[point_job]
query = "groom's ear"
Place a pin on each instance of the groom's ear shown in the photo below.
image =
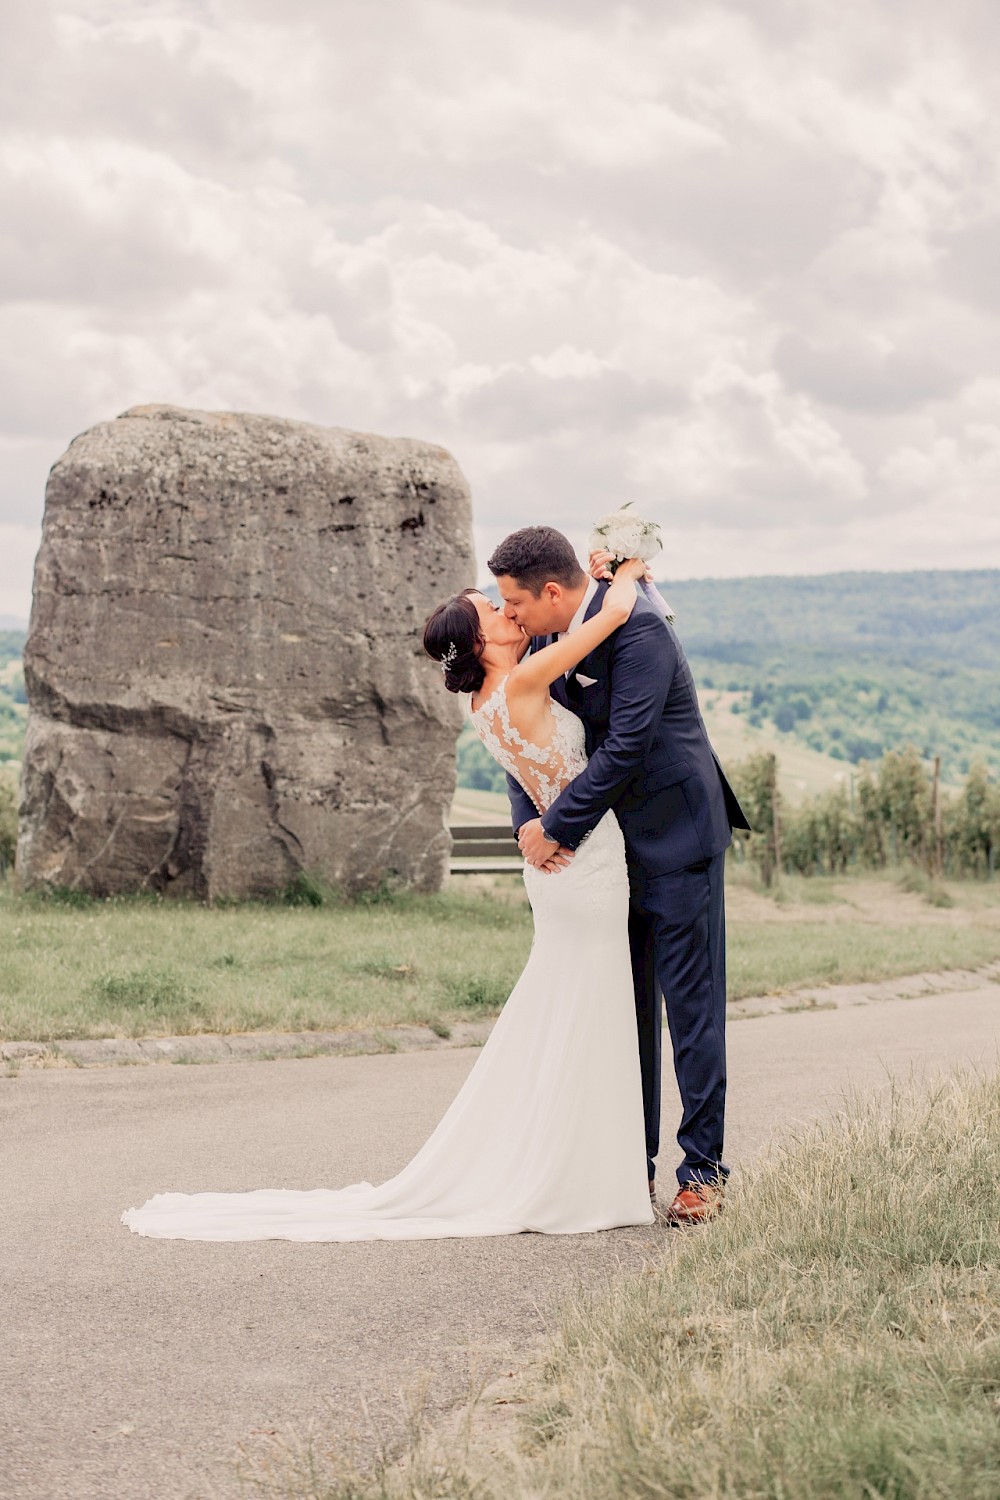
(548, 597)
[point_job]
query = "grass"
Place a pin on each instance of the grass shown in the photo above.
(764, 958)
(854, 929)
(835, 1336)
(143, 967)
(934, 891)
(73, 967)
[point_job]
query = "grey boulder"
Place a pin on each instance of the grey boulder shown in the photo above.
(225, 678)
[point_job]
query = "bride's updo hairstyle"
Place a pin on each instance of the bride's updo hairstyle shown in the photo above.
(452, 636)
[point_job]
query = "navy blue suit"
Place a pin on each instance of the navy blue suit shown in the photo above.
(652, 765)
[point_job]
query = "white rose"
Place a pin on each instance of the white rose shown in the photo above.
(623, 538)
(624, 535)
(650, 543)
(600, 537)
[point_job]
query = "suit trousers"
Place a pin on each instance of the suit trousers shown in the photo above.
(677, 934)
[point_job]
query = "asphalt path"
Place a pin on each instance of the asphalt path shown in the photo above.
(140, 1368)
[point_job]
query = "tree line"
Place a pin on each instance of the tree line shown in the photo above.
(8, 825)
(854, 664)
(892, 814)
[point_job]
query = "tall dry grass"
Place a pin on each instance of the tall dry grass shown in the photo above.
(835, 1336)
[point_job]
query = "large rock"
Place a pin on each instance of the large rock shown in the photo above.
(224, 671)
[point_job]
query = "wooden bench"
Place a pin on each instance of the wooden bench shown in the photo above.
(484, 849)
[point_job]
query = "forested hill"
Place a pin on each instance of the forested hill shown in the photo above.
(850, 664)
(854, 664)
(911, 618)
(13, 703)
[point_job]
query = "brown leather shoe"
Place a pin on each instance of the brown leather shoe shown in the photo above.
(652, 1190)
(695, 1203)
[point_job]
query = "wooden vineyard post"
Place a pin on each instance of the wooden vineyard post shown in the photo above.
(937, 862)
(776, 816)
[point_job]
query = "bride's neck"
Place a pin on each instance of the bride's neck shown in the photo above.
(498, 661)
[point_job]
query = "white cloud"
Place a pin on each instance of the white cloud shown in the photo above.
(735, 263)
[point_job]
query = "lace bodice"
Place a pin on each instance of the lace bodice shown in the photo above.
(542, 771)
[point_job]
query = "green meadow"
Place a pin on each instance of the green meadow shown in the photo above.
(73, 967)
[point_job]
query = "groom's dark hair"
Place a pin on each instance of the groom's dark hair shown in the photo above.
(536, 556)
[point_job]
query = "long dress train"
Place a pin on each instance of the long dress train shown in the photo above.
(546, 1133)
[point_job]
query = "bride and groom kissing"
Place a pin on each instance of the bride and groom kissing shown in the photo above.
(581, 691)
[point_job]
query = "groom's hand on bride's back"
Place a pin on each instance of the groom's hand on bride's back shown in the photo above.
(559, 861)
(540, 851)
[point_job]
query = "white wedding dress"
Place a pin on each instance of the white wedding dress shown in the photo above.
(546, 1133)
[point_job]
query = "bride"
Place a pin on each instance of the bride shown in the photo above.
(547, 1132)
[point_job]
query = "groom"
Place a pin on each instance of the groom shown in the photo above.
(652, 765)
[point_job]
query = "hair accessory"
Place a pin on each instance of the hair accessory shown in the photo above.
(450, 657)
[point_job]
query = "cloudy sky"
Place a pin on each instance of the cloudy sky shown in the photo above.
(736, 262)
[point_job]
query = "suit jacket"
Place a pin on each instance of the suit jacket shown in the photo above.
(651, 762)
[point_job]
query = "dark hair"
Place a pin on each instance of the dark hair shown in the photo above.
(536, 556)
(452, 631)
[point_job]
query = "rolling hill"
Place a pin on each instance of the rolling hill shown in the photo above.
(831, 670)
(13, 701)
(827, 671)
(853, 664)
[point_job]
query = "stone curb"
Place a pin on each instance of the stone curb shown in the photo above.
(260, 1045)
(843, 996)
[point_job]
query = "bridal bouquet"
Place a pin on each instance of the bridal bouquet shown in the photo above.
(625, 535)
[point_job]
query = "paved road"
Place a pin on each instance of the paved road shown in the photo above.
(136, 1368)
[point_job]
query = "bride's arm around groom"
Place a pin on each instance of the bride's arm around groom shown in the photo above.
(637, 672)
(650, 756)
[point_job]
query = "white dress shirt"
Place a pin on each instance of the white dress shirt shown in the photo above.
(577, 619)
(575, 624)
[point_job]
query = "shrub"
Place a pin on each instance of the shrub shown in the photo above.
(8, 826)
